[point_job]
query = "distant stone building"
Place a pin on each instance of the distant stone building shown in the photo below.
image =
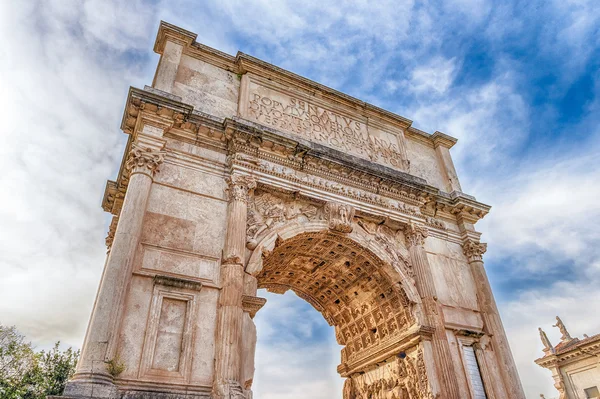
(574, 363)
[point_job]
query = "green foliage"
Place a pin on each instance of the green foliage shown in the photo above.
(26, 374)
(115, 367)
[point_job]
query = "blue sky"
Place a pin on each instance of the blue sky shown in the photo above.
(516, 82)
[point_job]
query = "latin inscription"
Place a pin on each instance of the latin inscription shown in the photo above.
(323, 126)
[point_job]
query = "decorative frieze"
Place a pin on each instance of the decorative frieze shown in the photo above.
(401, 377)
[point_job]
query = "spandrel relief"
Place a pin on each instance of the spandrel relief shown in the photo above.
(268, 211)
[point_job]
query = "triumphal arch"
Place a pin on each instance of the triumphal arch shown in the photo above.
(239, 175)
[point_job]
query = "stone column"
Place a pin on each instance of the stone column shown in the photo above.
(415, 237)
(491, 318)
(228, 354)
(92, 379)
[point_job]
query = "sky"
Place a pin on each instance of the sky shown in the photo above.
(517, 82)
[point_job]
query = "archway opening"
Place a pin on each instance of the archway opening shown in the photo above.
(296, 351)
(349, 286)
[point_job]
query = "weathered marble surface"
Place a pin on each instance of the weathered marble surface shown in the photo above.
(239, 175)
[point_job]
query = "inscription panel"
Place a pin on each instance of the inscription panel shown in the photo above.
(312, 120)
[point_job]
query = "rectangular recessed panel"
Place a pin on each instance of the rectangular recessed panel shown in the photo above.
(474, 374)
(169, 337)
(179, 263)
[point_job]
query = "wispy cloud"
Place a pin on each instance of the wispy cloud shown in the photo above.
(516, 82)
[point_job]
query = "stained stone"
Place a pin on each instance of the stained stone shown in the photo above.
(240, 176)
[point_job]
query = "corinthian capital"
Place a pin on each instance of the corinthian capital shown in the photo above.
(144, 160)
(240, 186)
(415, 234)
(474, 250)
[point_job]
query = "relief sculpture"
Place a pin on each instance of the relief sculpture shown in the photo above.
(401, 378)
(340, 216)
(267, 211)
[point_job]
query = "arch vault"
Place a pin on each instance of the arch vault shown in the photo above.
(238, 175)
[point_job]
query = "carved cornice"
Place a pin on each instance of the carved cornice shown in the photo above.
(442, 139)
(474, 250)
(177, 282)
(579, 351)
(415, 234)
(259, 148)
(240, 186)
(252, 304)
(162, 108)
(169, 32)
(110, 194)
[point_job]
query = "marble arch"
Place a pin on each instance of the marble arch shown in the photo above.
(237, 175)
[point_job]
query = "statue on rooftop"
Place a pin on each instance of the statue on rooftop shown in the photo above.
(547, 344)
(563, 330)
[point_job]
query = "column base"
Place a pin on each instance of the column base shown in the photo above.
(91, 386)
(230, 390)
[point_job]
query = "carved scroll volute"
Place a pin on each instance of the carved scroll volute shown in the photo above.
(340, 216)
(415, 235)
(474, 250)
(239, 187)
(144, 160)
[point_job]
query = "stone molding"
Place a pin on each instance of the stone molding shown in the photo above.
(177, 282)
(474, 250)
(252, 304)
(112, 229)
(258, 148)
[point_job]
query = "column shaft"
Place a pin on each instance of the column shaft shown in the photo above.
(433, 312)
(102, 333)
(228, 355)
(491, 318)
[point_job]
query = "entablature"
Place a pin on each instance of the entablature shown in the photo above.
(292, 162)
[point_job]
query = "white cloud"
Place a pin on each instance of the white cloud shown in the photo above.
(550, 206)
(434, 78)
(575, 303)
(291, 361)
(65, 67)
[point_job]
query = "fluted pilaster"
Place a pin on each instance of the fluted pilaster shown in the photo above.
(228, 360)
(91, 378)
(415, 238)
(491, 317)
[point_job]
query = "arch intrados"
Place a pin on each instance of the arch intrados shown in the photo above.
(346, 282)
(363, 241)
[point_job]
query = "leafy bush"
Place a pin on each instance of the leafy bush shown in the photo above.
(27, 374)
